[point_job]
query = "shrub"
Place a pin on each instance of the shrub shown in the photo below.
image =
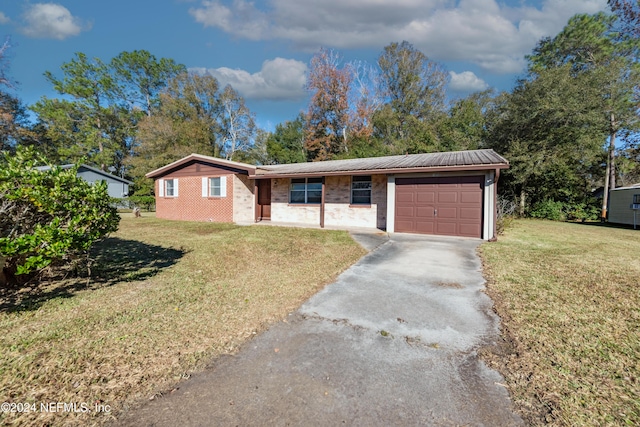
(146, 202)
(48, 218)
(549, 209)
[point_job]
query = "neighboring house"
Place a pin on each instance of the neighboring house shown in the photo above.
(451, 193)
(622, 202)
(116, 186)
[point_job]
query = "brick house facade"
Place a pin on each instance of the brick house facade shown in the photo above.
(437, 193)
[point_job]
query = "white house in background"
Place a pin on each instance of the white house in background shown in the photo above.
(117, 187)
(624, 205)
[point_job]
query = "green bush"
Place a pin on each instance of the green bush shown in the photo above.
(549, 209)
(146, 202)
(48, 218)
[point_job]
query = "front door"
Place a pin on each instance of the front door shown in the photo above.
(264, 199)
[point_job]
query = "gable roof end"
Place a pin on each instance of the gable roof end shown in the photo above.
(250, 169)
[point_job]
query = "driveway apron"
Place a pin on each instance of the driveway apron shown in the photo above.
(392, 342)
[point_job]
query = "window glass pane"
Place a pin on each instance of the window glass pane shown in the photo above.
(314, 186)
(168, 187)
(214, 187)
(297, 180)
(366, 178)
(315, 180)
(297, 197)
(297, 186)
(361, 200)
(314, 196)
(361, 185)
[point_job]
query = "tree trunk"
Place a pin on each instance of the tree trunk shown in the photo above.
(610, 173)
(612, 161)
(523, 197)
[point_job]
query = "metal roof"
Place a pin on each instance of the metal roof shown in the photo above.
(480, 159)
(629, 187)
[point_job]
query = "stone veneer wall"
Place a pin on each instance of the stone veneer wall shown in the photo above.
(338, 211)
(243, 201)
(282, 211)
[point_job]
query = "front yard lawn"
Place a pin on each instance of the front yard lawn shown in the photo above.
(569, 299)
(164, 299)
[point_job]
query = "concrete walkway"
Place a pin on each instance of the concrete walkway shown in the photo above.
(392, 342)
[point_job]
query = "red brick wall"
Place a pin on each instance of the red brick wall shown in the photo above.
(191, 206)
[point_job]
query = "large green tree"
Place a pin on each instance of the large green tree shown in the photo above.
(413, 88)
(286, 143)
(551, 131)
(140, 77)
(464, 127)
(592, 46)
(186, 120)
(96, 116)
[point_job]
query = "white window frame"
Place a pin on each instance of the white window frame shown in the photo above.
(163, 188)
(354, 184)
(208, 186)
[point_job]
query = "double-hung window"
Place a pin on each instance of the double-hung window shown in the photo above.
(361, 190)
(169, 187)
(214, 186)
(305, 191)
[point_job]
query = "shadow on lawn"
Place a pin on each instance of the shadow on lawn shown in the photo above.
(608, 225)
(114, 260)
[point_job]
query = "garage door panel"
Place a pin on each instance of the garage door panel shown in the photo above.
(458, 201)
(406, 212)
(425, 212)
(447, 228)
(470, 213)
(469, 197)
(445, 213)
(425, 227)
(405, 226)
(447, 196)
(405, 197)
(426, 197)
(469, 230)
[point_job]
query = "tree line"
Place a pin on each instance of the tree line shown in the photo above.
(568, 127)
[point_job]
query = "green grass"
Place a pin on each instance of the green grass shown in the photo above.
(569, 298)
(165, 298)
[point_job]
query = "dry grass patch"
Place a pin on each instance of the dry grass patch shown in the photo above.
(569, 299)
(168, 296)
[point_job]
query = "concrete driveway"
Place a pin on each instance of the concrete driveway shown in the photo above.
(392, 342)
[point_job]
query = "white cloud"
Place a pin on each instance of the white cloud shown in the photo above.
(50, 20)
(466, 81)
(279, 79)
(242, 18)
(4, 18)
(486, 32)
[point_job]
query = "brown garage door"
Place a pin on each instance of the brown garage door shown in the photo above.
(449, 206)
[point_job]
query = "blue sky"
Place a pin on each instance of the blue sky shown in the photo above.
(262, 48)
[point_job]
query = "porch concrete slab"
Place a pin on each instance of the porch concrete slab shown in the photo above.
(392, 342)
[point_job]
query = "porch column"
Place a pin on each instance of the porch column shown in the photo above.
(391, 203)
(322, 205)
(256, 210)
